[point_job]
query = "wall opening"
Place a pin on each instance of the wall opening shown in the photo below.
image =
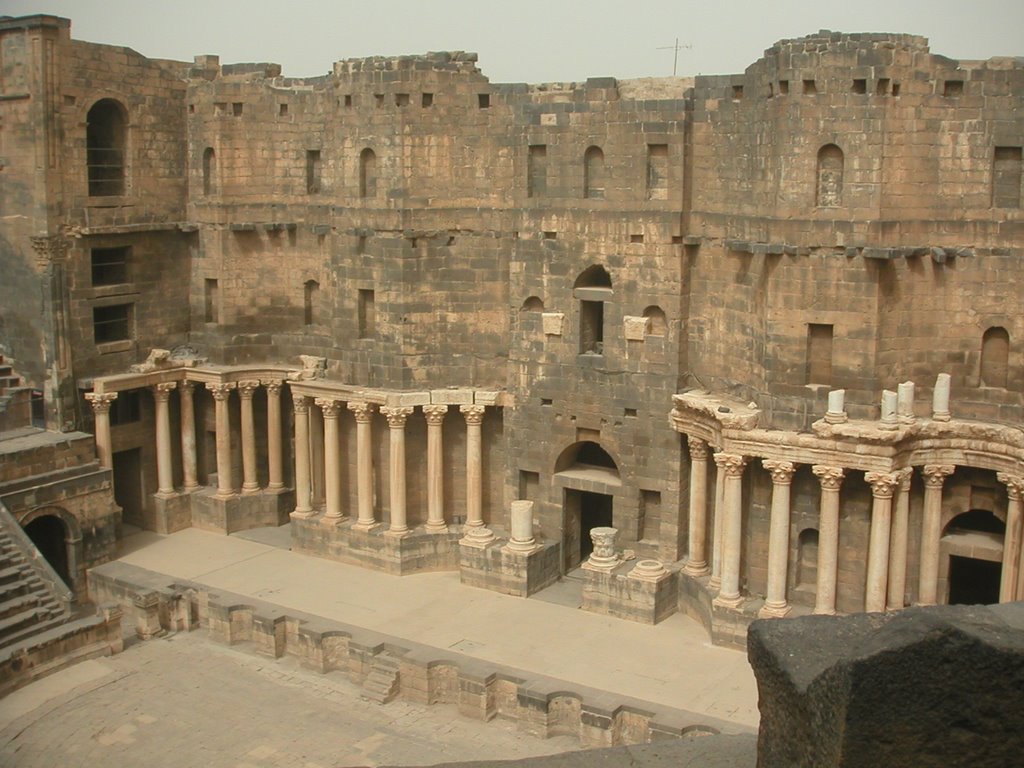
(532, 304)
(49, 535)
(112, 323)
(1007, 174)
(128, 490)
(830, 177)
(126, 409)
(106, 136)
(995, 357)
(312, 171)
(972, 581)
(367, 173)
(591, 327)
(657, 171)
(109, 265)
(650, 515)
(819, 353)
(593, 173)
(583, 511)
(529, 485)
(367, 313)
(810, 87)
(211, 301)
(658, 325)
(807, 559)
(311, 291)
(953, 88)
(209, 171)
(537, 171)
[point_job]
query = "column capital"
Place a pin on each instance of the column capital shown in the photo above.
(301, 405)
(396, 415)
(474, 414)
(220, 390)
(936, 474)
(781, 471)
(329, 406)
(830, 477)
(362, 411)
(246, 389)
(162, 391)
(883, 484)
(905, 475)
(273, 386)
(186, 386)
(435, 413)
(698, 448)
(101, 402)
(1014, 485)
(731, 463)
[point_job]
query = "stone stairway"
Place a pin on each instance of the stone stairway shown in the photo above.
(381, 685)
(29, 605)
(15, 399)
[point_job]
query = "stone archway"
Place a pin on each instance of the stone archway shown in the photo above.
(972, 558)
(589, 478)
(58, 537)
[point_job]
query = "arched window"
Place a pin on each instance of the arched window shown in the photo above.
(367, 173)
(592, 288)
(106, 133)
(209, 171)
(594, 276)
(593, 173)
(807, 558)
(658, 325)
(995, 353)
(830, 177)
(312, 289)
(532, 304)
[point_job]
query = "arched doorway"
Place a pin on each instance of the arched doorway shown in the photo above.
(49, 535)
(973, 545)
(589, 478)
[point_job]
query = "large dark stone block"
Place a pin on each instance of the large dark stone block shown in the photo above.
(939, 686)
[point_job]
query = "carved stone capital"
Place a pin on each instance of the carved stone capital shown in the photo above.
(905, 475)
(186, 387)
(781, 471)
(935, 474)
(220, 390)
(731, 463)
(246, 389)
(396, 415)
(698, 449)
(300, 403)
(362, 411)
(329, 406)
(1014, 485)
(162, 391)
(273, 386)
(883, 484)
(49, 248)
(474, 414)
(101, 403)
(434, 414)
(830, 477)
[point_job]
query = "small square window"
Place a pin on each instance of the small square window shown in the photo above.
(783, 87)
(282, 110)
(110, 265)
(236, 109)
(348, 99)
(378, 98)
(737, 92)
(401, 99)
(810, 87)
(860, 85)
(953, 88)
(483, 100)
(427, 100)
(112, 323)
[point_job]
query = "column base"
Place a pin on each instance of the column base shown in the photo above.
(715, 583)
(431, 527)
(824, 611)
(774, 611)
(397, 534)
(696, 569)
(250, 491)
(477, 536)
(728, 601)
(328, 520)
(303, 514)
(366, 527)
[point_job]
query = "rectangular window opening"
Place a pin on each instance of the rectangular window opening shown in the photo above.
(629, 413)
(236, 109)
(125, 409)
(819, 353)
(361, 245)
(282, 110)
(110, 265)
(427, 100)
(860, 85)
(112, 323)
(537, 171)
(550, 235)
(737, 92)
(210, 302)
(367, 313)
(657, 171)
(483, 100)
(312, 171)
(401, 99)
(895, 89)
(636, 238)
(649, 514)
(810, 87)
(883, 86)
(529, 483)
(1007, 170)
(783, 87)
(953, 88)
(591, 327)
(378, 99)
(348, 99)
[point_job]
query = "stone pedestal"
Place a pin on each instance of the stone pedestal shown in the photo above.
(171, 512)
(502, 568)
(230, 514)
(643, 591)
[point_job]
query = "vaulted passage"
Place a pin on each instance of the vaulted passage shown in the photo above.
(48, 534)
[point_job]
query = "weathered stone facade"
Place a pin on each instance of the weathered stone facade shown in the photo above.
(536, 276)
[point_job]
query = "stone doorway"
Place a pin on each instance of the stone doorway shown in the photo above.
(973, 581)
(584, 511)
(971, 563)
(128, 485)
(50, 536)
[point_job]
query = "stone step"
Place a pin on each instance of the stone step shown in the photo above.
(19, 604)
(381, 684)
(40, 625)
(19, 621)
(15, 571)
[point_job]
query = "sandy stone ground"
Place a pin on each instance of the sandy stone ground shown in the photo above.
(183, 701)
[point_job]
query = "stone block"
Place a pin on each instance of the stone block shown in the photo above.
(500, 569)
(553, 323)
(452, 396)
(171, 513)
(636, 328)
(642, 591)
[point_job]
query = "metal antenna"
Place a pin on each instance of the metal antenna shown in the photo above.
(675, 53)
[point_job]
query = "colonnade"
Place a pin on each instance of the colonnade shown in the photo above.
(886, 578)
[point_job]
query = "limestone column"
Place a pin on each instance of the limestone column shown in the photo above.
(246, 390)
(718, 527)
(1008, 584)
(221, 392)
(434, 415)
(775, 604)
(188, 434)
(275, 463)
(898, 543)
(101, 412)
(883, 485)
(303, 480)
(396, 417)
(831, 479)
(164, 473)
(475, 531)
(931, 529)
(697, 559)
(363, 413)
(332, 460)
(732, 533)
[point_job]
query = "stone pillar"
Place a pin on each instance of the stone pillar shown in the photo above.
(940, 398)
(828, 537)
(883, 485)
(697, 559)
(188, 434)
(522, 539)
(931, 529)
(898, 543)
(434, 415)
(246, 390)
(221, 392)
(303, 479)
(164, 471)
(101, 412)
(363, 413)
(732, 533)
(603, 557)
(396, 467)
(1008, 584)
(775, 604)
(475, 532)
(716, 534)
(275, 463)
(332, 460)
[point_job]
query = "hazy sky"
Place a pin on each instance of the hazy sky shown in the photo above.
(527, 40)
